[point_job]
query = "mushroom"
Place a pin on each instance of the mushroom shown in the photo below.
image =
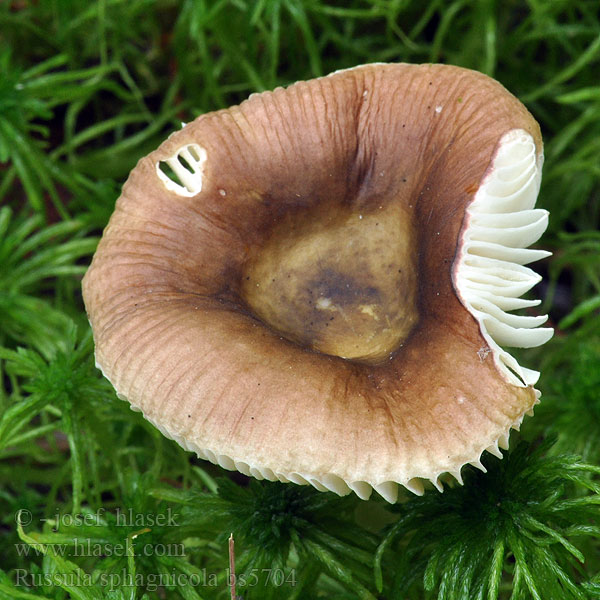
(315, 286)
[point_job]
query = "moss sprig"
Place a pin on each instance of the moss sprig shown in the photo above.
(513, 528)
(299, 533)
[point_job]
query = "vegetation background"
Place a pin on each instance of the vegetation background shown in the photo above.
(87, 88)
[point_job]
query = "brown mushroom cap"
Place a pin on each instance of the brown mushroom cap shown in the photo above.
(316, 291)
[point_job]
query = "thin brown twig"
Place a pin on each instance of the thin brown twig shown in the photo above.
(232, 567)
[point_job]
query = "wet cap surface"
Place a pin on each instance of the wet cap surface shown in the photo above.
(451, 162)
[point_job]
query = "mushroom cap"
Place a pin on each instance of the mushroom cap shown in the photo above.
(429, 170)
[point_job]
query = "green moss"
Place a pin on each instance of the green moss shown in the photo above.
(506, 529)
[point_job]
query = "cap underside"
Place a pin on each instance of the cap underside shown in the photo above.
(489, 274)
